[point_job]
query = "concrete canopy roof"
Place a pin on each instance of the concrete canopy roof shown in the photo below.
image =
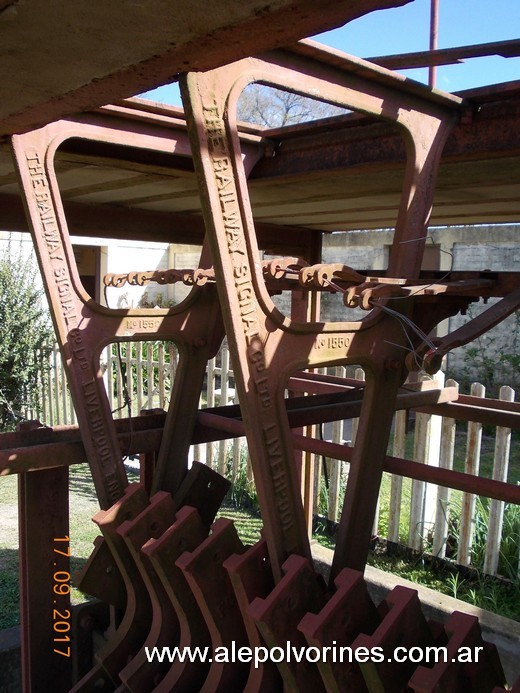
(343, 173)
(60, 57)
(340, 174)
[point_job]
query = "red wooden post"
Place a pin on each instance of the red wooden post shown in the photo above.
(44, 579)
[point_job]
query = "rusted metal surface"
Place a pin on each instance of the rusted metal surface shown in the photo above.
(148, 460)
(150, 614)
(204, 489)
(190, 277)
(185, 534)
(490, 488)
(434, 40)
(473, 329)
(404, 625)
(278, 615)
(62, 445)
(251, 577)
(83, 327)
(448, 56)
(211, 586)
(324, 176)
(87, 618)
(450, 674)
(101, 577)
(265, 345)
(164, 627)
(349, 612)
(185, 580)
(49, 447)
(130, 634)
(322, 408)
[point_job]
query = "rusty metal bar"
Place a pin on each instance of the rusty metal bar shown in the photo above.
(129, 636)
(324, 408)
(277, 617)
(211, 586)
(403, 625)
(435, 475)
(105, 221)
(434, 42)
(471, 330)
(67, 449)
(151, 523)
(349, 612)
(414, 470)
(251, 577)
(447, 56)
(464, 410)
(484, 673)
(185, 534)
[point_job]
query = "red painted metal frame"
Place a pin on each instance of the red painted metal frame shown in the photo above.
(266, 346)
(43, 496)
(84, 327)
(185, 534)
(144, 536)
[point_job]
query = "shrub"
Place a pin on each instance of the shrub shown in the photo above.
(490, 361)
(26, 335)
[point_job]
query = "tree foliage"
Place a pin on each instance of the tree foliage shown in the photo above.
(273, 108)
(25, 332)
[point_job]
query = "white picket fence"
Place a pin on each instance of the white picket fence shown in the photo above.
(422, 516)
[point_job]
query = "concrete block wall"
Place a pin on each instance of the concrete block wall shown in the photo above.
(496, 248)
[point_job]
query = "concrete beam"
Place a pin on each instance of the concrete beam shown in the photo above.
(124, 223)
(61, 57)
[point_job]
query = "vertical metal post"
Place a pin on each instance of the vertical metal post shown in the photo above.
(310, 465)
(44, 519)
(434, 30)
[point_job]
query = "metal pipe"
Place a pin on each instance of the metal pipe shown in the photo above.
(434, 31)
(394, 465)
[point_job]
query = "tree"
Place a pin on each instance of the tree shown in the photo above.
(25, 332)
(274, 108)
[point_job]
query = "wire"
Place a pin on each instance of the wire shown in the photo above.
(444, 276)
(411, 325)
(403, 319)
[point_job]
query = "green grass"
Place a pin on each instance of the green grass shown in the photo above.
(82, 532)
(248, 524)
(478, 590)
(498, 596)
(487, 452)
(9, 593)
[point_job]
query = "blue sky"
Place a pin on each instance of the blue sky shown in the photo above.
(406, 29)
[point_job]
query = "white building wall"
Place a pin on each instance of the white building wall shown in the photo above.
(120, 257)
